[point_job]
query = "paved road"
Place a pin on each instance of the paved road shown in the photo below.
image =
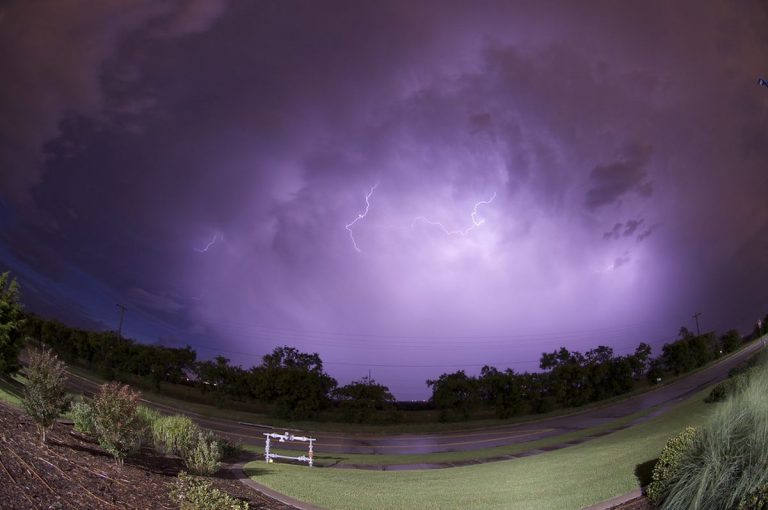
(659, 400)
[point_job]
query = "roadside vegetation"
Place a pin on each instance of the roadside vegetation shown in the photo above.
(569, 478)
(722, 463)
(292, 386)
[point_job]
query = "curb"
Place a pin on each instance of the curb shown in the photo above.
(239, 470)
(618, 500)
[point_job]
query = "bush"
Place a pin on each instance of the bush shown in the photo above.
(720, 392)
(195, 494)
(729, 387)
(118, 424)
(82, 418)
(45, 396)
(175, 435)
(205, 457)
(148, 417)
(756, 500)
(229, 449)
(726, 464)
(666, 467)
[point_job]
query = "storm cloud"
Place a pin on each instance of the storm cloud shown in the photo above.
(408, 188)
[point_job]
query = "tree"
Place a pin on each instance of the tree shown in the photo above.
(119, 426)
(502, 390)
(641, 360)
(45, 396)
(455, 394)
(11, 322)
(359, 400)
(730, 341)
(294, 381)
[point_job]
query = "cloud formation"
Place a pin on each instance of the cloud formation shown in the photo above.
(200, 162)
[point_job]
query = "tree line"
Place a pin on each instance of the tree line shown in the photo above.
(295, 385)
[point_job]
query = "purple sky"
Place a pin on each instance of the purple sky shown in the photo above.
(538, 174)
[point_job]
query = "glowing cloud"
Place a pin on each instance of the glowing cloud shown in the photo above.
(218, 236)
(477, 220)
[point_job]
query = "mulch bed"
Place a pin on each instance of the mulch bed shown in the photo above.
(71, 471)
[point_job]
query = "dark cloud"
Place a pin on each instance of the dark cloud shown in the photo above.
(631, 226)
(620, 261)
(161, 127)
(647, 232)
(614, 233)
(610, 182)
(55, 53)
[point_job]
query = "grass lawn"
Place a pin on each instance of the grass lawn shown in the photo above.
(570, 478)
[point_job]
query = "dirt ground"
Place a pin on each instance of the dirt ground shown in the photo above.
(71, 472)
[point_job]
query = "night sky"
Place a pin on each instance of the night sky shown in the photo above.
(407, 187)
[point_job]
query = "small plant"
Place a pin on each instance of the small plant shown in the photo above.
(175, 435)
(720, 392)
(756, 500)
(205, 457)
(666, 467)
(192, 493)
(148, 417)
(45, 396)
(82, 418)
(229, 449)
(119, 427)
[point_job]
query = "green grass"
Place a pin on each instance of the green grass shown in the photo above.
(564, 479)
(11, 390)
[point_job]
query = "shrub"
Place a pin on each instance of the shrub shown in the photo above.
(720, 392)
(82, 418)
(195, 494)
(726, 464)
(205, 457)
(119, 427)
(229, 449)
(45, 396)
(175, 435)
(148, 417)
(666, 467)
(729, 387)
(756, 500)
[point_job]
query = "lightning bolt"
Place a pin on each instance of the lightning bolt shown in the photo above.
(360, 216)
(218, 236)
(477, 220)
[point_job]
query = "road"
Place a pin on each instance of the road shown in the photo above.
(658, 400)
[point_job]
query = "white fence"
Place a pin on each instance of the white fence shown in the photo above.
(268, 456)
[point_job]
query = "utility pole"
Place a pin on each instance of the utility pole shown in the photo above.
(696, 316)
(120, 327)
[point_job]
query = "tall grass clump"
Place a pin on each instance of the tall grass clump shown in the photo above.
(178, 435)
(82, 418)
(175, 435)
(727, 460)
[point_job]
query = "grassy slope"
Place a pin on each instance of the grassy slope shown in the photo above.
(564, 479)
(11, 391)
